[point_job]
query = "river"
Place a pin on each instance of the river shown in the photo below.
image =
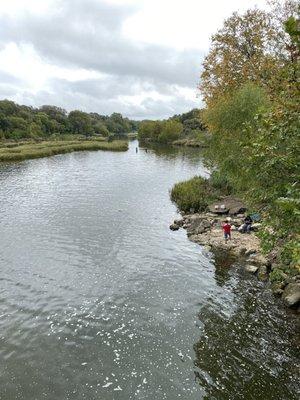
(100, 300)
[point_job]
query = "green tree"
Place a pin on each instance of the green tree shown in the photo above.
(170, 131)
(80, 123)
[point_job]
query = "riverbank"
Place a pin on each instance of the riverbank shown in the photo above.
(188, 142)
(29, 150)
(206, 229)
(200, 202)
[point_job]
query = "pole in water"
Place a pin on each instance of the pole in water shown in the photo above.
(136, 149)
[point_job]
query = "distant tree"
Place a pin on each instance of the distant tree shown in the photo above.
(80, 123)
(170, 131)
(149, 130)
(99, 128)
(8, 107)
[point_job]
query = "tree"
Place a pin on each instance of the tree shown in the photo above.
(99, 128)
(80, 123)
(170, 131)
(243, 50)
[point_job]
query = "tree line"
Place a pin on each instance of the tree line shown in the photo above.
(250, 85)
(22, 122)
(179, 126)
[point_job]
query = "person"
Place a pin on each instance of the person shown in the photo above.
(246, 227)
(227, 230)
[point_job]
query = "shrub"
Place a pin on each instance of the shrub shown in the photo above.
(195, 194)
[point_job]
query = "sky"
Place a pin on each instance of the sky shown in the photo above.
(141, 58)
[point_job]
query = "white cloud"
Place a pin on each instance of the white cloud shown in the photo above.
(139, 57)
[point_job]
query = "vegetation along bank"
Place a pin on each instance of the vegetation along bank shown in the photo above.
(250, 85)
(28, 132)
(28, 150)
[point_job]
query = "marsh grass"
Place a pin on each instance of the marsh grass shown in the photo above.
(28, 150)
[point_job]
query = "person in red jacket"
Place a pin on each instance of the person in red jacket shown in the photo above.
(227, 230)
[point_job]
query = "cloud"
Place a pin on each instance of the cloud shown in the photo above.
(87, 35)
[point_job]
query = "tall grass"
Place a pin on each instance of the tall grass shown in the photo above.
(46, 149)
(196, 194)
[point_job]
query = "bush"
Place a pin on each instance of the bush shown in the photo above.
(160, 131)
(195, 194)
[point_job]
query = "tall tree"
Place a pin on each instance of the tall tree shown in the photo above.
(252, 47)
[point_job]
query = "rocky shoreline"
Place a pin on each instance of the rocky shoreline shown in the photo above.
(206, 230)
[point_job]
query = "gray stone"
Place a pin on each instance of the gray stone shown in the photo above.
(178, 222)
(256, 227)
(250, 252)
(251, 268)
(291, 294)
(174, 227)
(277, 288)
(199, 226)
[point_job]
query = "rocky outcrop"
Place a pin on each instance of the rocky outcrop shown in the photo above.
(206, 229)
(291, 294)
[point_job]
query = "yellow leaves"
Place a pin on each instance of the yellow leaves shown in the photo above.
(243, 50)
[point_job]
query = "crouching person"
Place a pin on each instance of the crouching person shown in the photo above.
(246, 227)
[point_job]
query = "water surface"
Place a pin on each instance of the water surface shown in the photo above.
(100, 300)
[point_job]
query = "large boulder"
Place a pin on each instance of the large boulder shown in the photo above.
(198, 226)
(291, 294)
(228, 205)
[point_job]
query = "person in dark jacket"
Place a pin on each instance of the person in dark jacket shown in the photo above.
(246, 227)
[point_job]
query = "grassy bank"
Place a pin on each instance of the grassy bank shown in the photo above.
(28, 150)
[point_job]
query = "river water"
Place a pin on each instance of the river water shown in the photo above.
(100, 300)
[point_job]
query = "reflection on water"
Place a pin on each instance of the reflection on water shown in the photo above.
(248, 352)
(99, 299)
(167, 152)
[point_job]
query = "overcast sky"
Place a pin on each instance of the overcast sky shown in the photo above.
(138, 57)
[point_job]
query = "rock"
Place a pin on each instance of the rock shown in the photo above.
(174, 227)
(207, 248)
(262, 273)
(259, 259)
(291, 294)
(235, 206)
(199, 226)
(277, 288)
(256, 227)
(250, 252)
(251, 268)
(178, 222)
(243, 251)
(218, 208)
(277, 291)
